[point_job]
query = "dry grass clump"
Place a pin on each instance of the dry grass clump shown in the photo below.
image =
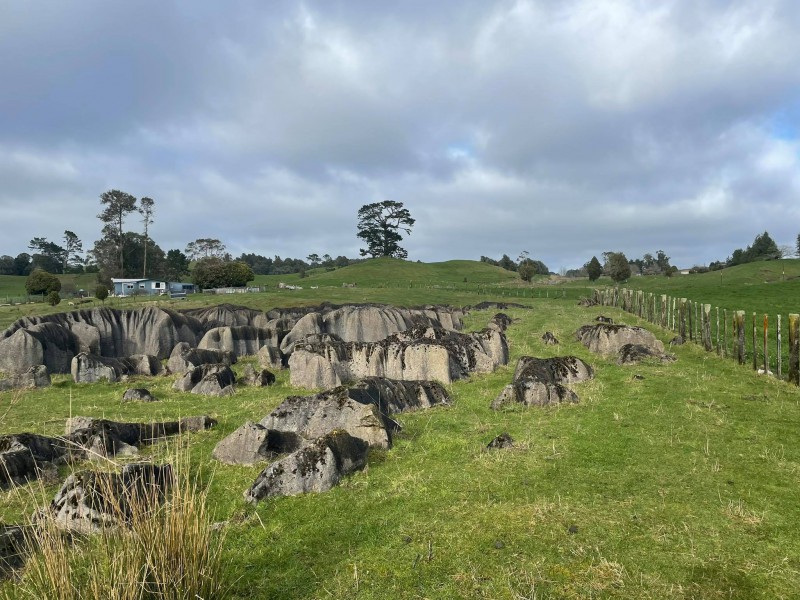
(162, 546)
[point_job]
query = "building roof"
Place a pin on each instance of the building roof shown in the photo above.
(128, 280)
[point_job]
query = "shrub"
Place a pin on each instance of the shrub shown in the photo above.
(42, 282)
(101, 293)
(53, 298)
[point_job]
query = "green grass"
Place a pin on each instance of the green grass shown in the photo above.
(12, 287)
(679, 485)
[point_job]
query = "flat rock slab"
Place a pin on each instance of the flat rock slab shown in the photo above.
(633, 354)
(34, 377)
(138, 395)
(253, 443)
(315, 468)
(608, 339)
(392, 396)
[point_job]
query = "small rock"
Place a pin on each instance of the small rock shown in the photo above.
(138, 394)
(503, 440)
(573, 529)
(498, 544)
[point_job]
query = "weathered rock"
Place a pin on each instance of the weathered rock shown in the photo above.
(314, 416)
(421, 353)
(34, 377)
(608, 339)
(541, 381)
(260, 378)
(53, 340)
(145, 364)
(549, 339)
(14, 548)
(138, 395)
(24, 456)
(500, 321)
(243, 340)
(559, 369)
(214, 384)
(270, 358)
(315, 468)
(228, 315)
(495, 305)
(676, 341)
(89, 368)
(502, 441)
(587, 302)
(89, 502)
(253, 443)
(185, 358)
(393, 396)
(192, 378)
(530, 392)
(604, 319)
(632, 354)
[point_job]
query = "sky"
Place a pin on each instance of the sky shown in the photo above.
(564, 128)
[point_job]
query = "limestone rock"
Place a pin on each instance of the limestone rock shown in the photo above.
(243, 340)
(502, 441)
(314, 416)
(34, 377)
(253, 443)
(632, 354)
(530, 392)
(90, 502)
(315, 468)
(138, 395)
(270, 358)
(260, 378)
(393, 396)
(607, 339)
(214, 384)
(184, 357)
(549, 339)
(500, 321)
(542, 381)
(192, 378)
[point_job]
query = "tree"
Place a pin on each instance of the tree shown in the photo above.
(594, 269)
(205, 248)
(617, 266)
(797, 248)
(53, 298)
(72, 245)
(46, 255)
(118, 205)
(763, 248)
(176, 265)
(7, 265)
(528, 268)
(146, 210)
(313, 259)
(104, 254)
(22, 264)
(213, 272)
(42, 282)
(378, 226)
(101, 293)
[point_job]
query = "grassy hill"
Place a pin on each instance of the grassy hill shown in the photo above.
(12, 287)
(681, 483)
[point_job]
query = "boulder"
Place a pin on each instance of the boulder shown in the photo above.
(184, 357)
(192, 378)
(549, 339)
(138, 395)
(502, 441)
(260, 378)
(253, 443)
(314, 416)
(90, 368)
(24, 456)
(41, 344)
(393, 396)
(91, 502)
(270, 358)
(214, 384)
(604, 319)
(500, 321)
(315, 468)
(607, 339)
(542, 381)
(14, 548)
(420, 353)
(243, 340)
(34, 377)
(145, 364)
(632, 354)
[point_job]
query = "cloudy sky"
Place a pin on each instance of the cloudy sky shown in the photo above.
(562, 127)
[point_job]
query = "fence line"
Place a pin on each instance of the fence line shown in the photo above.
(693, 322)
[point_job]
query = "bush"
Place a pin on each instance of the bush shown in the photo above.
(216, 273)
(101, 293)
(53, 298)
(42, 282)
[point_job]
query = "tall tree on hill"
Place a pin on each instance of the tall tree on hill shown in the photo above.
(379, 224)
(594, 269)
(47, 256)
(72, 246)
(205, 248)
(617, 266)
(118, 205)
(146, 210)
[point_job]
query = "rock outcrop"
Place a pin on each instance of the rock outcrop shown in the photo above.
(392, 396)
(34, 377)
(270, 358)
(212, 376)
(90, 368)
(542, 381)
(311, 417)
(549, 339)
(243, 340)
(633, 354)
(314, 468)
(608, 339)
(420, 353)
(91, 502)
(253, 443)
(184, 358)
(137, 395)
(257, 378)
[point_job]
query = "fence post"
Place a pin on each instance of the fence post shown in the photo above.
(766, 348)
(663, 311)
(755, 354)
(794, 349)
(725, 333)
(706, 312)
(682, 320)
(719, 350)
(779, 352)
(739, 331)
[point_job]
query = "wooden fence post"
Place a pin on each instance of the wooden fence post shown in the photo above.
(739, 332)
(766, 348)
(725, 333)
(794, 349)
(755, 354)
(706, 312)
(682, 320)
(779, 351)
(719, 350)
(663, 311)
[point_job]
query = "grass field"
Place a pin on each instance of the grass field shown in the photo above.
(682, 484)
